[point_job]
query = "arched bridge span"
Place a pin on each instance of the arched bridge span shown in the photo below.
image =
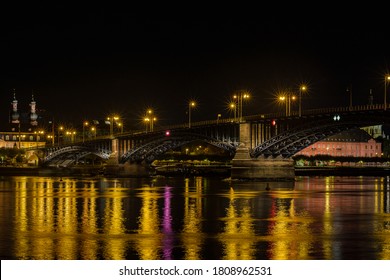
(68, 155)
(154, 147)
(311, 129)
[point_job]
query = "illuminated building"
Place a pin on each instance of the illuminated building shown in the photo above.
(352, 143)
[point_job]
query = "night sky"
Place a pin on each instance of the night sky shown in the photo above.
(90, 62)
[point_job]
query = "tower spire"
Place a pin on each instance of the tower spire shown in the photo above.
(33, 114)
(14, 113)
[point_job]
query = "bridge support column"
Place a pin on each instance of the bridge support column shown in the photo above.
(245, 134)
(114, 168)
(246, 168)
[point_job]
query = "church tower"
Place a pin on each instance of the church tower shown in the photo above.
(33, 114)
(14, 113)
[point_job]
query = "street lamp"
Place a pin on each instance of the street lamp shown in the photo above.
(61, 128)
(149, 119)
(38, 136)
(146, 120)
(283, 99)
(387, 79)
(93, 130)
(301, 89)
(71, 134)
(152, 120)
(218, 116)
(287, 97)
(84, 125)
(233, 107)
(191, 104)
(120, 125)
(240, 97)
(111, 120)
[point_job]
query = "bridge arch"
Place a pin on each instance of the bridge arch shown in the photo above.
(68, 155)
(293, 140)
(153, 148)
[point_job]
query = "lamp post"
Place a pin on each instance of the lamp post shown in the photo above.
(152, 120)
(146, 120)
(149, 119)
(233, 107)
(387, 79)
(111, 125)
(191, 104)
(93, 129)
(120, 125)
(287, 97)
(239, 97)
(301, 89)
(71, 134)
(84, 125)
(60, 128)
(112, 119)
(52, 132)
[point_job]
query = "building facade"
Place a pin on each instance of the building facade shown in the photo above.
(21, 140)
(352, 143)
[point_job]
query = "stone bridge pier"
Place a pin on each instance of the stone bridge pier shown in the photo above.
(246, 168)
(115, 168)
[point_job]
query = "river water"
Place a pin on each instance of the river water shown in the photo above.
(325, 218)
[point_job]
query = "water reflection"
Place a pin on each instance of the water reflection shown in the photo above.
(89, 222)
(113, 225)
(149, 238)
(194, 218)
(192, 236)
(291, 236)
(238, 235)
(168, 232)
(66, 222)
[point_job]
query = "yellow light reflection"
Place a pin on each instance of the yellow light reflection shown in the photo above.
(149, 240)
(191, 234)
(290, 234)
(89, 246)
(238, 236)
(328, 219)
(21, 219)
(67, 220)
(113, 227)
(384, 206)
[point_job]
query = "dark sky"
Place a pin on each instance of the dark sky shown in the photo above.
(90, 62)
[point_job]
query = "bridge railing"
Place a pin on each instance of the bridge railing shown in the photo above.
(317, 111)
(255, 117)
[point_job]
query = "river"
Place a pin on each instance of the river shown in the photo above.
(196, 218)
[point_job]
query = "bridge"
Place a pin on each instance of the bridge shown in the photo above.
(259, 145)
